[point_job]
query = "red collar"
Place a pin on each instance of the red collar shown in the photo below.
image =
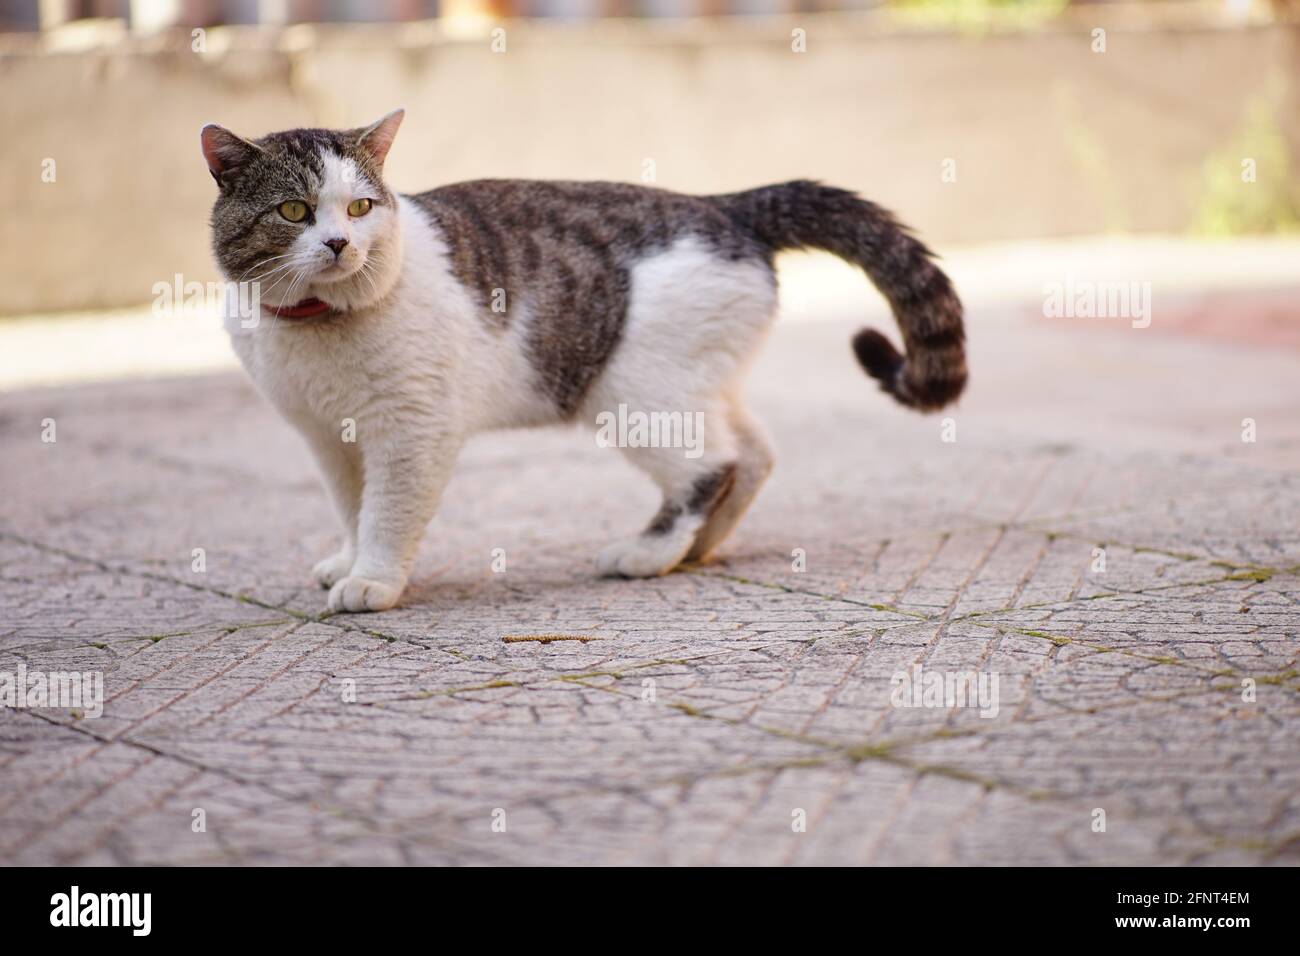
(306, 309)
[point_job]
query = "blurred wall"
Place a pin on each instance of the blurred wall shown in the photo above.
(106, 193)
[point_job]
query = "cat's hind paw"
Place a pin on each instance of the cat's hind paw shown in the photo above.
(333, 568)
(645, 556)
(356, 594)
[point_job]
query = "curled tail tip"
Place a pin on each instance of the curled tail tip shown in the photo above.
(917, 385)
(878, 356)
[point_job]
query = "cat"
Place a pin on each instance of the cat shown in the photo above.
(393, 327)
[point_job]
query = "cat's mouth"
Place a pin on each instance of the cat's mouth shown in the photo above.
(336, 271)
(306, 309)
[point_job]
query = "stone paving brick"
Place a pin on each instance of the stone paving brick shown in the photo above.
(742, 712)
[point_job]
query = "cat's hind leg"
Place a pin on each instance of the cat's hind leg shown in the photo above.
(694, 322)
(754, 460)
(693, 490)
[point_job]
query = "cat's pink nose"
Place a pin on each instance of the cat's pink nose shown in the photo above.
(336, 245)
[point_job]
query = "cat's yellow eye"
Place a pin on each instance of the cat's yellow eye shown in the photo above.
(295, 210)
(358, 207)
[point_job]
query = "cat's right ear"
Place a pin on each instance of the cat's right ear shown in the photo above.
(224, 151)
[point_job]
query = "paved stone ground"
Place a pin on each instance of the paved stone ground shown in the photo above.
(1120, 689)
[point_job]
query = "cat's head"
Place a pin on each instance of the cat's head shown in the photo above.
(305, 214)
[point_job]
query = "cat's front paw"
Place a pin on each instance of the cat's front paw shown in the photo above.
(355, 593)
(334, 568)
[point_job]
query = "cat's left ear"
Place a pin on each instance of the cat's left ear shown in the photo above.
(377, 138)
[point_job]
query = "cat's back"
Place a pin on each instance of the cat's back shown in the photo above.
(516, 225)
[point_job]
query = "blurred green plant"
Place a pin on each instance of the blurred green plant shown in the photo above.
(1248, 186)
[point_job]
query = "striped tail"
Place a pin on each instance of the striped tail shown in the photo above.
(804, 214)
